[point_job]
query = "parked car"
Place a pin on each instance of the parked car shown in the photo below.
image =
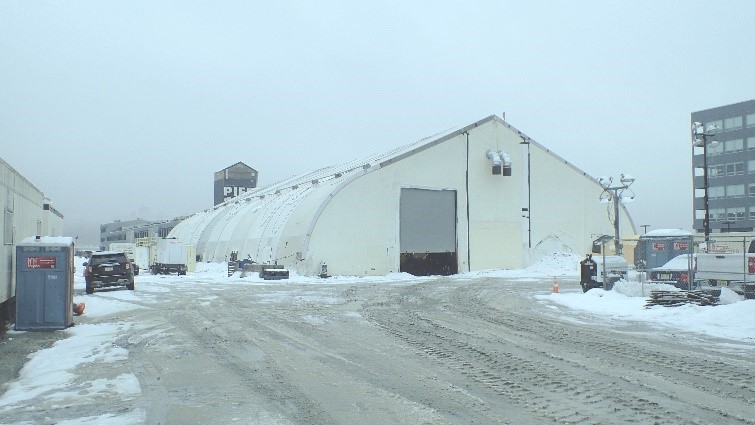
(675, 272)
(108, 269)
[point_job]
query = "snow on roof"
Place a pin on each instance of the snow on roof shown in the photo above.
(666, 233)
(47, 240)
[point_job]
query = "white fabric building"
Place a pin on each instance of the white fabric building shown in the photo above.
(432, 207)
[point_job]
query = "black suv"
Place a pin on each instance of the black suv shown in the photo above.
(105, 269)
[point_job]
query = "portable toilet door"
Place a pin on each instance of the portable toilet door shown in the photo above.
(44, 283)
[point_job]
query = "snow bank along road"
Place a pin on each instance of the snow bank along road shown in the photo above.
(441, 351)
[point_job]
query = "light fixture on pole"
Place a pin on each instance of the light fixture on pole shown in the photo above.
(616, 193)
(700, 139)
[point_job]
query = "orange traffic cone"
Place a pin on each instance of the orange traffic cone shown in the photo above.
(555, 285)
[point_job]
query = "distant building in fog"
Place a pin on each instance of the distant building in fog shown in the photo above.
(130, 230)
(233, 181)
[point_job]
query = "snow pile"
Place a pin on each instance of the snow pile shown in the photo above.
(637, 289)
(722, 321)
(729, 297)
(559, 264)
(52, 369)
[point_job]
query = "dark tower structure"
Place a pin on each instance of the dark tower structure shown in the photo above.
(233, 181)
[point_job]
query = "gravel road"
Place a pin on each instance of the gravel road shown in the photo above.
(443, 351)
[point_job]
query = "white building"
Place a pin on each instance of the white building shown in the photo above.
(439, 206)
(25, 212)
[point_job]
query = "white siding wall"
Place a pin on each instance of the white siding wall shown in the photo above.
(24, 204)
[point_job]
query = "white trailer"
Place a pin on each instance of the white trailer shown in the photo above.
(138, 254)
(22, 208)
(171, 256)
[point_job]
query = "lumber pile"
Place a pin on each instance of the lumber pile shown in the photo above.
(677, 298)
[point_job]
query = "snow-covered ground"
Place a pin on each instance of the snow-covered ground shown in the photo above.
(54, 368)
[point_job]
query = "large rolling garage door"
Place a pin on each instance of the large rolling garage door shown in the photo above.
(428, 232)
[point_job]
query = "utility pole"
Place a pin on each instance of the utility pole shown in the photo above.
(616, 194)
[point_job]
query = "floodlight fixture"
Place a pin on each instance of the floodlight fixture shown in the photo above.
(618, 193)
(627, 179)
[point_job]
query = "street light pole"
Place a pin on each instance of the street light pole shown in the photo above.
(616, 194)
(700, 139)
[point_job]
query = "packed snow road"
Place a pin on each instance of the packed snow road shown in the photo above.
(438, 351)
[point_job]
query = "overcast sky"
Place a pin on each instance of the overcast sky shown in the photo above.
(119, 110)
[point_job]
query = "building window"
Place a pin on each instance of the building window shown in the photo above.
(751, 190)
(751, 166)
(735, 169)
(750, 143)
(752, 213)
(164, 232)
(715, 150)
(141, 234)
(735, 214)
(718, 170)
(733, 123)
(735, 191)
(717, 214)
(735, 145)
(750, 120)
(716, 192)
(719, 125)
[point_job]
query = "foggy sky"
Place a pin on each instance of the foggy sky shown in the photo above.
(119, 110)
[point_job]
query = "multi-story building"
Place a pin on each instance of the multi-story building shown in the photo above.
(131, 230)
(729, 152)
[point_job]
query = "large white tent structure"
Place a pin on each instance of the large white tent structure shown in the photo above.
(479, 197)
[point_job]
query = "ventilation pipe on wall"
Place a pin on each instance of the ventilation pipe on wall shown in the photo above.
(506, 166)
(496, 159)
(501, 162)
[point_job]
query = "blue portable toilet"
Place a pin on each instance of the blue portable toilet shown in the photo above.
(658, 247)
(44, 283)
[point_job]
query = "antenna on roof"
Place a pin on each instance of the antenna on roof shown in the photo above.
(503, 115)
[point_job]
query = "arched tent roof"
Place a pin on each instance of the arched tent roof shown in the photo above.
(253, 223)
(258, 223)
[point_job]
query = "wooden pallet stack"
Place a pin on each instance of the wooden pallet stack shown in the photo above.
(677, 298)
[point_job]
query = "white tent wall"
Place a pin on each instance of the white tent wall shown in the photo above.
(365, 241)
(358, 231)
(495, 201)
(566, 212)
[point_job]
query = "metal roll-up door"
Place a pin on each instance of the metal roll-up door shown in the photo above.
(428, 232)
